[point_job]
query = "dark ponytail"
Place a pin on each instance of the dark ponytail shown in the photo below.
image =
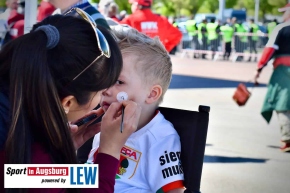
(35, 97)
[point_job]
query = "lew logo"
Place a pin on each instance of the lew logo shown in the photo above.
(149, 27)
(129, 159)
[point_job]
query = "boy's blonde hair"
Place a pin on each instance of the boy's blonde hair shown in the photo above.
(152, 60)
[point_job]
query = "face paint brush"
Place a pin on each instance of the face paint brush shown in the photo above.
(121, 96)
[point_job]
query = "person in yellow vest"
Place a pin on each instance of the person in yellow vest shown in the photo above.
(191, 28)
(271, 26)
(253, 38)
(212, 36)
(228, 32)
(239, 38)
(202, 37)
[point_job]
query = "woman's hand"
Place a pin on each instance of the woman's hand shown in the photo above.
(83, 133)
(111, 139)
(257, 75)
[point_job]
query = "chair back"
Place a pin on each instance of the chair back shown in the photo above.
(192, 128)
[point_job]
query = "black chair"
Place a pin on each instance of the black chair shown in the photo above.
(192, 129)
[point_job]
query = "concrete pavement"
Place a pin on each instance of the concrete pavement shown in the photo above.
(242, 153)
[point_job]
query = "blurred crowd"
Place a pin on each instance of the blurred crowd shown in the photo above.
(142, 18)
(205, 38)
(211, 36)
(12, 20)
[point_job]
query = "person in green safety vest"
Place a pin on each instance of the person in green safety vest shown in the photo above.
(202, 37)
(192, 30)
(240, 40)
(271, 26)
(212, 36)
(253, 38)
(228, 32)
(237, 41)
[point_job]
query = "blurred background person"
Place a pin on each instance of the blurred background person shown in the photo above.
(202, 37)
(277, 97)
(10, 5)
(271, 26)
(228, 32)
(109, 9)
(103, 6)
(64, 5)
(151, 24)
(113, 11)
(15, 23)
(191, 28)
(45, 9)
(252, 39)
(240, 40)
(212, 35)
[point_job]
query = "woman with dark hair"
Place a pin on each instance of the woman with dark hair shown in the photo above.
(53, 76)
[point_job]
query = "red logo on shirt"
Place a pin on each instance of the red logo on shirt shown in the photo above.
(129, 159)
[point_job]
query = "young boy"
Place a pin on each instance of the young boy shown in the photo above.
(150, 159)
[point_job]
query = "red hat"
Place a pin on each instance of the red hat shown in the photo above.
(142, 2)
(285, 8)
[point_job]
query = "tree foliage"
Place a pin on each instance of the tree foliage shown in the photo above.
(2, 3)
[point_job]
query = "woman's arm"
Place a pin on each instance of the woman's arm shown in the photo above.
(107, 171)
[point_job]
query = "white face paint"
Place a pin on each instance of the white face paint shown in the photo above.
(121, 96)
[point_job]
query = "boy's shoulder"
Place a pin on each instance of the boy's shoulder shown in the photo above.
(159, 128)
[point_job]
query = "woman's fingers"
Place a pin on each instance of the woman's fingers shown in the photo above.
(111, 139)
(84, 132)
(132, 114)
(112, 112)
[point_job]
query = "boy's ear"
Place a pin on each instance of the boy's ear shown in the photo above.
(155, 94)
(67, 103)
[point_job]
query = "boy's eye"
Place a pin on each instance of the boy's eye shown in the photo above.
(119, 82)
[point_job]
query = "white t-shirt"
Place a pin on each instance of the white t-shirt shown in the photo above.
(150, 159)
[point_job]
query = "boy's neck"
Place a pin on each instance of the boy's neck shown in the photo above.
(146, 116)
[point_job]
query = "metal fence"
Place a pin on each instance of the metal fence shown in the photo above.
(242, 47)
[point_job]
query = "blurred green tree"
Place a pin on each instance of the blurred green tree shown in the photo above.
(2, 3)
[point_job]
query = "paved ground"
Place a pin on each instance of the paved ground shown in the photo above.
(242, 154)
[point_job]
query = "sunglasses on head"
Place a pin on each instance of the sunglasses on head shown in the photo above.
(102, 42)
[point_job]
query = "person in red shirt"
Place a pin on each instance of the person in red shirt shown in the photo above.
(15, 27)
(16, 21)
(145, 21)
(45, 9)
(277, 97)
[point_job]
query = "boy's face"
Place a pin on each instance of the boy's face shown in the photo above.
(130, 82)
